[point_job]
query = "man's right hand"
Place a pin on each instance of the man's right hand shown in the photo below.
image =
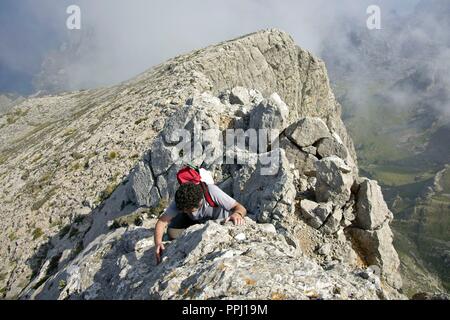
(159, 249)
(160, 226)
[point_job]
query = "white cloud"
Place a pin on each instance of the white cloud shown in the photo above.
(130, 36)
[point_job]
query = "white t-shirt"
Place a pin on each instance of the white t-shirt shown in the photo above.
(224, 205)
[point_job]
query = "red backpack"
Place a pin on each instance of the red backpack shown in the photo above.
(192, 174)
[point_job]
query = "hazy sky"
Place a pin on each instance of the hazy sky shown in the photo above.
(128, 37)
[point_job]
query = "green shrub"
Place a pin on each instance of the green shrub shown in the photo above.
(37, 233)
(158, 209)
(11, 119)
(135, 218)
(62, 284)
(77, 155)
(16, 115)
(137, 122)
(113, 155)
(76, 166)
(105, 194)
(12, 236)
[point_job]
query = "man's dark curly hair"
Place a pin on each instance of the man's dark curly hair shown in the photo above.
(188, 196)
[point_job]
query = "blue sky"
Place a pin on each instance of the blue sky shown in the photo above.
(131, 36)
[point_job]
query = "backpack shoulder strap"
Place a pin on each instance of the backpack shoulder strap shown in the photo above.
(207, 195)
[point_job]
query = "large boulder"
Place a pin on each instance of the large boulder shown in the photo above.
(267, 190)
(322, 216)
(377, 249)
(307, 131)
(303, 161)
(333, 223)
(141, 185)
(372, 210)
(334, 181)
(315, 214)
(240, 95)
(271, 113)
(371, 232)
(328, 147)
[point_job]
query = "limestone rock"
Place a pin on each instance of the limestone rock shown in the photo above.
(315, 214)
(141, 185)
(116, 149)
(333, 223)
(262, 267)
(325, 250)
(431, 296)
(270, 114)
(268, 227)
(378, 250)
(328, 147)
(240, 95)
(348, 213)
(307, 131)
(302, 161)
(311, 149)
(268, 191)
(334, 180)
(372, 210)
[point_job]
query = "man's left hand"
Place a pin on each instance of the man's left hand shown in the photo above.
(236, 218)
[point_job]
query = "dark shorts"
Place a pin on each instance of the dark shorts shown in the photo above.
(182, 221)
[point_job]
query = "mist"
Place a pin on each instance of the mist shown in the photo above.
(119, 39)
(406, 65)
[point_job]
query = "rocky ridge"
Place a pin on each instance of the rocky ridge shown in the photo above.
(359, 241)
(323, 223)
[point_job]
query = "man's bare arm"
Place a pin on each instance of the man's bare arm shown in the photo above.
(240, 209)
(238, 214)
(160, 227)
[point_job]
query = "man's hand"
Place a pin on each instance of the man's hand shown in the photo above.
(159, 231)
(159, 249)
(236, 218)
(239, 212)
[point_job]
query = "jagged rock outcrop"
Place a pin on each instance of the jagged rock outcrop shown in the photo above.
(271, 113)
(334, 180)
(307, 131)
(210, 261)
(267, 183)
(372, 210)
(272, 84)
(328, 147)
(315, 214)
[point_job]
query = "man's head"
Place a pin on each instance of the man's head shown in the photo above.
(188, 197)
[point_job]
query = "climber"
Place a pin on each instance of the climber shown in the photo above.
(196, 203)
